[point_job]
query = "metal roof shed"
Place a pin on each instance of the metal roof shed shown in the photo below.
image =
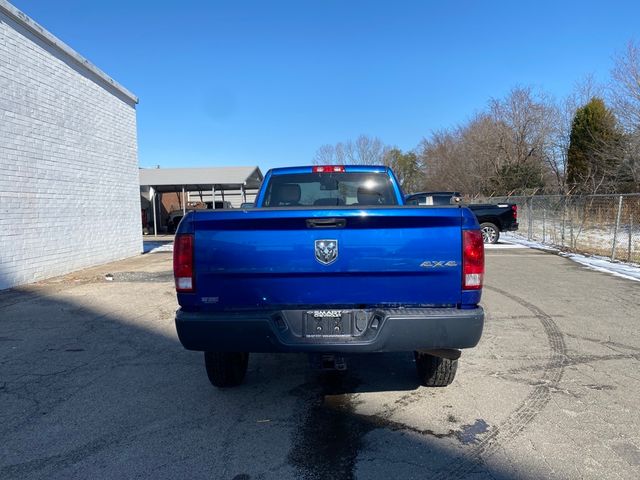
(213, 179)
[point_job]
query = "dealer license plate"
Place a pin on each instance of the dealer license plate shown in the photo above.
(327, 323)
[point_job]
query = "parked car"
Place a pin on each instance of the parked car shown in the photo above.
(329, 262)
(493, 219)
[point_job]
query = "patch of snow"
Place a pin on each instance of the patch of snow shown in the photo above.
(517, 240)
(502, 245)
(157, 247)
(630, 271)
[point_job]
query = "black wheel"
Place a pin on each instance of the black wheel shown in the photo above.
(226, 369)
(490, 232)
(435, 371)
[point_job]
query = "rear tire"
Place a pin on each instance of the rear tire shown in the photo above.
(226, 369)
(435, 371)
(490, 232)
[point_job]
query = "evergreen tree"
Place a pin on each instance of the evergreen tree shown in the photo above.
(592, 160)
(406, 168)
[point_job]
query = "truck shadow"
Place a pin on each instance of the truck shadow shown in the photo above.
(90, 393)
(371, 372)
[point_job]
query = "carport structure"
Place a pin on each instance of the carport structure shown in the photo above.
(235, 185)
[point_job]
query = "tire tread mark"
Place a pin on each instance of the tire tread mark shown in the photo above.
(532, 405)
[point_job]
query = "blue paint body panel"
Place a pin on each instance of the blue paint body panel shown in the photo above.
(264, 259)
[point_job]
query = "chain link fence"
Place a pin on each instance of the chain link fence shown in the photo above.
(607, 225)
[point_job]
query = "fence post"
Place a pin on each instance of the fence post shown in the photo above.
(615, 230)
(564, 219)
(529, 217)
(630, 234)
(571, 211)
(544, 225)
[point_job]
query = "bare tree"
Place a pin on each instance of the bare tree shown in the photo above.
(524, 118)
(499, 150)
(364, 150)
(326, 155)
(625, 87)
(625, 99)
(457, 159)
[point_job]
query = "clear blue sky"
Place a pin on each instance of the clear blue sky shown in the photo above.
(268, 82)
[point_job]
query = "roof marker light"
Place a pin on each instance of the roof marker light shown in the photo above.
(328, 169)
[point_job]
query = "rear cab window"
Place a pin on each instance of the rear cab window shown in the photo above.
(330, 189)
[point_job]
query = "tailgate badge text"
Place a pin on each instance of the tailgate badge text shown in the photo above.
(438, 263)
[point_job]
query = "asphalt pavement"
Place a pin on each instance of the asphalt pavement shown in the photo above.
(94, 384)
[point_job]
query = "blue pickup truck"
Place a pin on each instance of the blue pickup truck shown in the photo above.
(331, 262)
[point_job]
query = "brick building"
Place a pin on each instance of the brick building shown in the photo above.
(69, 191)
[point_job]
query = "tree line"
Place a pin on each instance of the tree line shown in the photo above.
(526, 142)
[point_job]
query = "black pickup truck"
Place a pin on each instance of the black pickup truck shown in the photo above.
(493, 219)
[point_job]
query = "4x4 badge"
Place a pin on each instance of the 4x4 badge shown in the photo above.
(438, 263)
(326, 251)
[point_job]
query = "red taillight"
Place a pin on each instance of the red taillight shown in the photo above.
(183, 263)
(514, 208)
(328, 169)
(472, 260)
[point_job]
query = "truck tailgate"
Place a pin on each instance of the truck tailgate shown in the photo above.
(270, 258)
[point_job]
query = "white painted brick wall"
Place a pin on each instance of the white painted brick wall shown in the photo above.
(69, 188)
